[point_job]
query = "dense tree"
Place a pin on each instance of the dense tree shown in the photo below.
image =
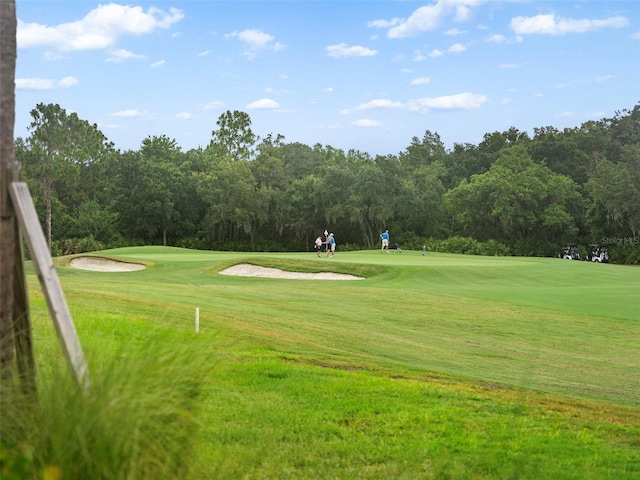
(60, 145)
(615, 190)
(465, 160)
(233, 140)
(529, 193)
(518, 201)
(147, 185)
(624, 130)
(234, 206)
(423, 152)
(560, 152)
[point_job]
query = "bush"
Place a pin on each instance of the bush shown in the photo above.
(134, 422)
(627, 253)
(71, 246)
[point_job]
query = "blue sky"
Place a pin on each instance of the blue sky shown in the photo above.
(367, 75)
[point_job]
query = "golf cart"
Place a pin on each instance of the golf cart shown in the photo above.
(597, 253)
(570, 252)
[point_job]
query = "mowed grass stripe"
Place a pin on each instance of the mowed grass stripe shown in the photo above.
(491, 319)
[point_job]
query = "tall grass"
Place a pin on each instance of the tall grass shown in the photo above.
(134, 421)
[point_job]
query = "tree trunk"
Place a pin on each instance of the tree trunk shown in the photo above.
(48, 214)
(7, 162)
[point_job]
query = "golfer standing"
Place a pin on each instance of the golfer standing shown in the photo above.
(331, 250)
(318, 245)
(385, 241)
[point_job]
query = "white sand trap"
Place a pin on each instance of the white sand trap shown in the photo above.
(248, 270)
(101, 264)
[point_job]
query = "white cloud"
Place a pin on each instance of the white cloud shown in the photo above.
(366, 122)
(157, 64)
(53, 56)
(385, 23)
(328, 89)
(342, 50)
(253, 38)
(420, 81)
(99, 29)
(122, 55)
(263, 104)
(436, 53)
(461, 101)
(636, 36)
(565, 114)
(418, 56)
(430, 17)
(457, 48)
(454, 32)
(377, 103)
(44, 83)
(549, 24)
(423, 19)
(585, 81)
(257, 42)
(35, 83)
(130, 113)
(511, 66)
(463, 13)
(204, 53)
(68, 82)
(183, 116)
(495, 38)
(215, 105)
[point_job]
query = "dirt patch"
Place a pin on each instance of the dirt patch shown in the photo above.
(101, 264)
(248, 270)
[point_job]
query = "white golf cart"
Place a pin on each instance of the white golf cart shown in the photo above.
(570, 252)
(597, 253)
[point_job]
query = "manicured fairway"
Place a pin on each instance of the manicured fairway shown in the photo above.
(550, 325)
(482, 367)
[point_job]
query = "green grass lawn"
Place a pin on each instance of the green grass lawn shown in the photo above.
(435, 366)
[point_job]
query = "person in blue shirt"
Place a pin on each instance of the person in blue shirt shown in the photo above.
(331, 249)
(385, 241)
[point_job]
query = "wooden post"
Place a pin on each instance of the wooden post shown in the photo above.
(49, 281)
(25, 357)
(8, 25)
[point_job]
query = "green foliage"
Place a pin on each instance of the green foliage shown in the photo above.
(72, 246)
(626, 252)
(531, 194)
(62, 146)
(234, 139)
(135, 421)
(462, 245)
(517, 201)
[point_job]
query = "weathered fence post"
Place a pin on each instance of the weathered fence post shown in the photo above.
(8, 237)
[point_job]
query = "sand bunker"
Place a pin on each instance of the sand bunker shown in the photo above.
(101, 264)
(248, 270)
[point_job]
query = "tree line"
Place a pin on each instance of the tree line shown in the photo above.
(512, 194)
